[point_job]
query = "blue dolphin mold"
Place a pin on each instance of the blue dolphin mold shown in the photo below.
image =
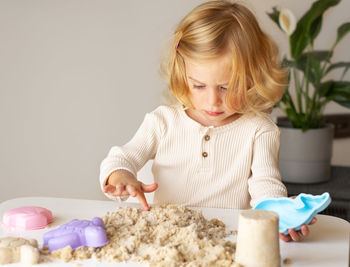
(293, 213)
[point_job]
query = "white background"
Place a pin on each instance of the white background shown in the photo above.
(78, 76)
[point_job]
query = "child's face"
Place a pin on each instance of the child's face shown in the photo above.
(208, 83)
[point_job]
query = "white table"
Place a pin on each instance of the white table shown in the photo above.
(326, 245)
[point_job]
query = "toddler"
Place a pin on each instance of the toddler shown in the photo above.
(217, 147)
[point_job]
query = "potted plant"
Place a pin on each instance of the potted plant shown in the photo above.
(306, 141)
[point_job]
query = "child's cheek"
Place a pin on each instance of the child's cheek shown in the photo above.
(234, 104)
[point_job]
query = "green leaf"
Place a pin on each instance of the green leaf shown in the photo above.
(342, 31)
(337, 91)
(309, 64)
(325, 88)
(286, 63)
(320, 55)
(293, 117)
(274, 16)
(315, 29)
(345, 65)
(309, 26)
(342, 100)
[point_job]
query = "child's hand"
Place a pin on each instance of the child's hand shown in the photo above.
(123, 183)
(296, 235)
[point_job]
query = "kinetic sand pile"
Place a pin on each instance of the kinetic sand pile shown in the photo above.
(165, 236)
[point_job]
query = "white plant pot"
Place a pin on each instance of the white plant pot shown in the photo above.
(305, 157)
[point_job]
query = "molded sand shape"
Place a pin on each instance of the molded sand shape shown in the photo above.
(21, 250)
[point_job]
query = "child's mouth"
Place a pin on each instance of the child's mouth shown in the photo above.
(211, 113)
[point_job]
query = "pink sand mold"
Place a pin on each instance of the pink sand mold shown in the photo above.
(77, 233)
(27, 218)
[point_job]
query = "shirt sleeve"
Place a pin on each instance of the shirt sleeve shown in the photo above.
(134, 154)
(265, 181)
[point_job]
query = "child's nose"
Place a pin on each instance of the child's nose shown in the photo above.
(214, 97)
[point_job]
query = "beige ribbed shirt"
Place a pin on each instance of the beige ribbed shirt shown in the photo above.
(231, 166)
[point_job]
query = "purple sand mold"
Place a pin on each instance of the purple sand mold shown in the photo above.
(77, 233)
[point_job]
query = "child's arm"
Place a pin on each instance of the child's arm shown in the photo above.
(124, 183)
(130, 157)
(265, 181)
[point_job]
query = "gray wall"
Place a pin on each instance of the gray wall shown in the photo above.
(78, 76)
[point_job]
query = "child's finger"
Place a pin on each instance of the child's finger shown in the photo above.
(285, 238)
(119, 188)
(294, 235)
(143, 201)
(314, 219)
(131, 190)
(148, 188)
(125, 193)
(109, 189)
(304, 230)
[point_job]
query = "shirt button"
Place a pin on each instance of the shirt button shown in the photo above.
(207, 138)
(205, 154)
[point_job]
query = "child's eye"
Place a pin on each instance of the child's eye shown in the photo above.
(198, 86)
(223, 88)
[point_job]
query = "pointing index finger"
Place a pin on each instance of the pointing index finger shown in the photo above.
(141, 196)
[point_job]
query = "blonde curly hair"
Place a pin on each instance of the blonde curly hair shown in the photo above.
(215, 28)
